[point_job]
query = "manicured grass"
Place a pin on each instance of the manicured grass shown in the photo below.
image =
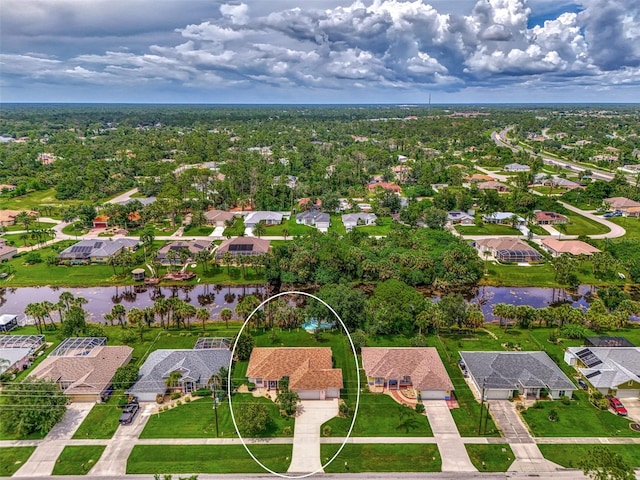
(337, 226)
(201, 231)
(381, 416)
(487, 229)
(490, 458)
(152, 459)
(72, 229)
(23, 239)
(537, 229)
(568, 456)
(554, 191)
(236, 229)
(630, 224)
(33, 199)
(196, 420)
(102, 421)
(293, 229)
(579, 225)
(381, 458)
(12, 458)
(578, 419)
(382, 227)
(77, 460)
(33, 226)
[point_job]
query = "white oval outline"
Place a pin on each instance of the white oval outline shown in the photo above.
(355, 413)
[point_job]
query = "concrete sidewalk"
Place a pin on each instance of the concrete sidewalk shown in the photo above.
(306, 435)
(44, 457)
(452, 450)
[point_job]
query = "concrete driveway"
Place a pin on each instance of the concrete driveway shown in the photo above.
(633, 408)
(509, 422)
(306, 434)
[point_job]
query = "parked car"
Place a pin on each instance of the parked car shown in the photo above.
(617, 406)
(582, 384)
(608, 215)
(129, 412)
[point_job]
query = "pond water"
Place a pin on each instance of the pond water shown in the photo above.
(217, 297)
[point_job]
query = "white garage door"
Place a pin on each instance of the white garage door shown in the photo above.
(492, 394)
(309, 394)
(432, 394)
(624, 393)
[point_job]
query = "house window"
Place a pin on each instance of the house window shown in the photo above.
(259, 381)
(405, 380)
(562, 393)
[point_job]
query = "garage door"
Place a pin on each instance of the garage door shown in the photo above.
(492, 394)
(432, 394)
(624, 393)
(309, 394)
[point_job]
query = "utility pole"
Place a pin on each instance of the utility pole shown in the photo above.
(481, 406)
(216, 400)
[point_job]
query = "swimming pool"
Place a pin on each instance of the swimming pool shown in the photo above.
(312, 325)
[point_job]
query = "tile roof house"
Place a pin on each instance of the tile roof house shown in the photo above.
(269, 218)
(310, 371)
(101, 221)
(8, 217)
(610, 370)
(550, 218)
(84, 377)
(243, 246)
(97, 251)
(500, 374)
(492, 185)
(314, 218)
(418, 369)
(503, 218)
(193, 247)
(460, 218)
(573, 247)
(508, 249)
(7, 252)
(384, 185)
(352, 220)
(219, 218)
(627, 206)
(195, 366)
(480, 177)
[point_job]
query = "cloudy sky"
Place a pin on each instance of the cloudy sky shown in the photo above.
(320, 51)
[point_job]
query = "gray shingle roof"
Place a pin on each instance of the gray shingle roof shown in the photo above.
(513, 369)
(198, 365)
(86, 249)
(619, 365)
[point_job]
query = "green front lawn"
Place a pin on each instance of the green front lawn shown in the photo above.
(579, 225)
(578, 419)
(382, 227)
(356, 457)
(293, 229)
(236, 230)
(102, 421)
(74, 229)
(12, 458)
(32, 226)
(200, 231)
(630, 224)
(490, 458)
(568, 456)
(196, 419)
(487, 229)
(77, 460)
(152, 459)
(381, 416)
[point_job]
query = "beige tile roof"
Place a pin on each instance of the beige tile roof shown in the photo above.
(308, 368)
(619, 203)
(574, 247)
(86, 374)
(422, 364)
(219, 215)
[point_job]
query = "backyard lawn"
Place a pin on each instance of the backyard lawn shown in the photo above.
(382, 227)
(235, 230)
(77, 460)
(152, 459)
(12, 458)
(496, 457)
(196, 419)
(631, 225)
(568, 456)
(293, 229)
(336, 224)
(356, 457)
(577, 419)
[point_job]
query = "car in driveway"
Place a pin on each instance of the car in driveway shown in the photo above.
(617, 406)
(129, 413)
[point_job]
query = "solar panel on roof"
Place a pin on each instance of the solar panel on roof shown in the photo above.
(242, 247)
(593, 374)
(588, 358)
(582, 352)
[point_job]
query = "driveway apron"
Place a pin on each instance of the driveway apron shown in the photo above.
(452, 450)
(306, 434)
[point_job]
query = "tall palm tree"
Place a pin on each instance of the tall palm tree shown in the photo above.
(161, 308)
(226, 314)
(202, 314)
(119, 313)
(135, 316)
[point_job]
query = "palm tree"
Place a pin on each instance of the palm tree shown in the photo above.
(25, 219)
(35, 311)
(259, 230)
(226, 314)
(173, 380)
(161, 308)
(135, 316)
(119, 313)
(227, 258)
(202, 314)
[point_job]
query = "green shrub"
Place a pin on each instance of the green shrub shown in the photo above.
(179, 402)
(187, 399)
(344, 410)
(565, 400)
(326, 431)
(251, 386)
(175, 395)
(287, 431)
(202, 392)
(420, 408)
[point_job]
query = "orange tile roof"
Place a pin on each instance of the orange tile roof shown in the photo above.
(574, 247)
(422, 364)
(308, 368)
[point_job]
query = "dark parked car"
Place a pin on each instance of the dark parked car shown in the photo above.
(617, 406)
(582, 384)
(129, 412)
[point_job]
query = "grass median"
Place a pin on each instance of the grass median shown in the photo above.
(356, 457)
(77, 460)
(12, 458)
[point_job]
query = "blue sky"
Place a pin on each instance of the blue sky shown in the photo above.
(320, 51)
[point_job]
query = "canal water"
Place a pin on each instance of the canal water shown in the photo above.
(217, 297)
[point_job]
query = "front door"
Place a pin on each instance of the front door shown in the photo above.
(273, 384)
